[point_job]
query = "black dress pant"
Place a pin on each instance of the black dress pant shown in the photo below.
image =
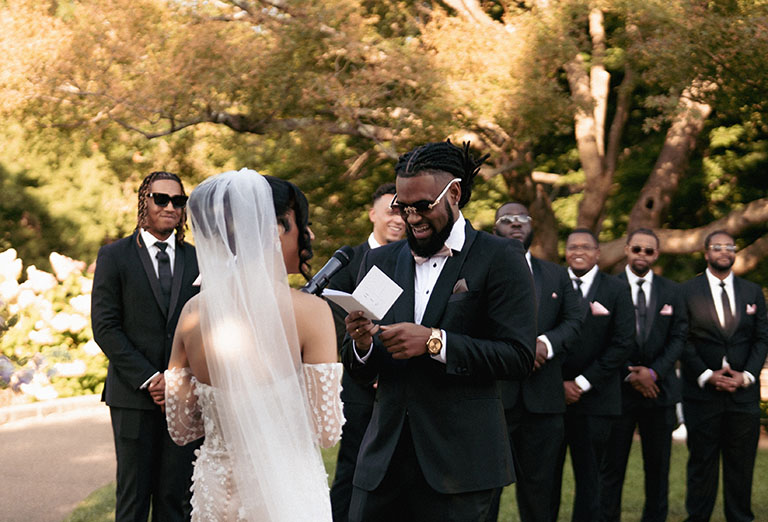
(712, 434)
(536, 439)
(656, 424)
(357, 415)
(405, 496)
(586, 436)
(151, 468)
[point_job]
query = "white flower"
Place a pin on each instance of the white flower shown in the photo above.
(40, 388)
(85, 285)
(43, 336)
(26, 297)
(81, 303)
(91, 348)
(9, 289)
(10, 266)
(59, 323)
(39, 280)
(77, 323)
(64, 266)
(69, 369)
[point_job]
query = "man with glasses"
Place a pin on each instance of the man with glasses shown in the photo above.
(139, 288)
(650, 387)
(534, 407)
(591, 380)
(721, 364)
(436, 448)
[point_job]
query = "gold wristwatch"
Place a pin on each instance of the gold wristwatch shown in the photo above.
(435, 342)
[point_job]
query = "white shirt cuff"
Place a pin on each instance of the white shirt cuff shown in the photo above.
(704, 377)
(146, 383)
(364, 357)
(583, 383)
(441, 356)
(748, 378)
(550, 351)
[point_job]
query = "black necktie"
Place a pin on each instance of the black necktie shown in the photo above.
(727, 314)
(164, 271)
(641, 310)
(579, 282)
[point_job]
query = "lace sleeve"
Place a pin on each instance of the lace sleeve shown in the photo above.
(182, 412)
(323, 383)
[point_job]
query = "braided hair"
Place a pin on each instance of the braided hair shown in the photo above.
(144, 189)
(442, 157)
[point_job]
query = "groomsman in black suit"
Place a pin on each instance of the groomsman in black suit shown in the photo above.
(721, 364)
(388, 227)
(650, 388)
(591, 372)
(436, 447)
(140, 285)
(534, 407)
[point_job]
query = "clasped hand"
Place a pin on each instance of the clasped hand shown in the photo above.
(402, 340)
(641, 379)
(156, 390)
(726, 379)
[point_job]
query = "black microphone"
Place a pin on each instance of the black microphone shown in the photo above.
(339, 260)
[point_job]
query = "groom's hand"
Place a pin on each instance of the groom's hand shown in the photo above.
(405, 340)
(157, 389)
(361, 330)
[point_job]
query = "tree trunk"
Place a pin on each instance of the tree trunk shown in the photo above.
(653, 202)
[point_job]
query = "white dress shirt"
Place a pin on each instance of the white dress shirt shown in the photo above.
(543, 338)
(372, 242)
(586, 283)
(647, 286)
(425, 277)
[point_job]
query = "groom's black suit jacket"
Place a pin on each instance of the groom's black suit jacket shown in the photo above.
(745, 347)
(129, 323)
(454, 410)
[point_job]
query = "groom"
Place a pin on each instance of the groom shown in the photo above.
(436, 446)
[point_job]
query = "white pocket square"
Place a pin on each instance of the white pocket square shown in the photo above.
(751, 309)
(554, 295)
(598, 309)
(666, 310)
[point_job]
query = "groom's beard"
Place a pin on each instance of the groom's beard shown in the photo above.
(431, 245)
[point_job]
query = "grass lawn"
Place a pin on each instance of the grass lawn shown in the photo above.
(100, 505)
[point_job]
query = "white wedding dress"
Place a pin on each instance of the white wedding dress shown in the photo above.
(191, 412)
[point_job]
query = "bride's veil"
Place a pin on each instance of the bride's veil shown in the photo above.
(252, 350)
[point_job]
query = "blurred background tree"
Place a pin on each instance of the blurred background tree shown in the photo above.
(609, 114)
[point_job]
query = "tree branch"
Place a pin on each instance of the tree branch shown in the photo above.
(472, 11)
(748, 259)
(692, 240)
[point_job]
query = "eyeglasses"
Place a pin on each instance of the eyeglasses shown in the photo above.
(161, 200)
(511, 219)
(420, 207)
(720, 248)
(636, 249)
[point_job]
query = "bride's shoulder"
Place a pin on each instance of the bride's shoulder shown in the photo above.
(308, 304)
(190, 313)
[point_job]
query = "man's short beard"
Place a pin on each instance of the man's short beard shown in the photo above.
(432, 245)
(719, 268)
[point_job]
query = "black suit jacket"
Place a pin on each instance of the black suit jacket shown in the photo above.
(129, 323)
(663, 342)
(559, 317)
(454, 410)
(345, 280)
(745, 347)
(603, 346)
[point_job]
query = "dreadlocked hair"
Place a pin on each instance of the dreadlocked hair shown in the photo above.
(442, 156)
(144, 189)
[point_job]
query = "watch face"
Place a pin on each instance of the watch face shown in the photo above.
(434, 346)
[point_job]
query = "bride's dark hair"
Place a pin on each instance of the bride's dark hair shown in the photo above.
(287, 196)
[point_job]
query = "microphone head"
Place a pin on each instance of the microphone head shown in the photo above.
(344, 254)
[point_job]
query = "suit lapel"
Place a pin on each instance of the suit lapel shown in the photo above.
(404, 276)
(178, 272)
(537, 283)
(149, 269)
(739, 305)
(445, 283)
(705, 294)
(654, 306)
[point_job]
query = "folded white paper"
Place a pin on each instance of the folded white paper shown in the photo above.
(374, 296)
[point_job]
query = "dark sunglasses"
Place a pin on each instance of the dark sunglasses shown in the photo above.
(637, 249)
(161, 200)
(718, 248)
(421, 207)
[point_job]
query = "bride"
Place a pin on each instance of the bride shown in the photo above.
(253, 365)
